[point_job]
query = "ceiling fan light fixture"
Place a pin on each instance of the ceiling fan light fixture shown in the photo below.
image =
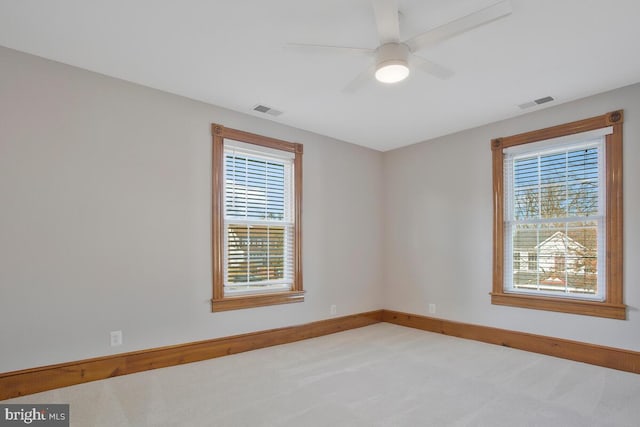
(392, 65)
(392, 71)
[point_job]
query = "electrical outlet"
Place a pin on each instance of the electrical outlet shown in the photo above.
(116, 338)
(333, 310)
(432, 309)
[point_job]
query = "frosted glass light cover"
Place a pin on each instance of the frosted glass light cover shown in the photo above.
(392, 72)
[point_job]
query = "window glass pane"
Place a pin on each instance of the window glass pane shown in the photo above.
(257, 256)
(582, 262)
(237, 250)
(254, 188)
(556, 185)
(561, 257)
(582, 182)
(526, 188)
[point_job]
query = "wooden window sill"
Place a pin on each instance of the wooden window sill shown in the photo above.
(256, 300)
(563, 305)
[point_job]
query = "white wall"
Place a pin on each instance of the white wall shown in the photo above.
(438, 227)
(105, 218)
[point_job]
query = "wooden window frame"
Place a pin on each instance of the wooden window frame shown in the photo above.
(220, 302)
(612, 306)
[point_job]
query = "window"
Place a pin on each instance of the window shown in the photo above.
(257, 195)
(554, 208)
(558, 198)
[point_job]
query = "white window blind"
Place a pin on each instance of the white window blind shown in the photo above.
(555, 213)
(258, 220)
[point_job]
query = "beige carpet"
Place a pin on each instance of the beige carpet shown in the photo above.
(380, 375)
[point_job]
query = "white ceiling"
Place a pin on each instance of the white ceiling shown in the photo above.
(231, 53)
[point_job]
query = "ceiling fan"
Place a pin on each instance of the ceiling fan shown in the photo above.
(393, 57)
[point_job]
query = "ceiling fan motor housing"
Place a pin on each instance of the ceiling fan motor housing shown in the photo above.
(392, 63)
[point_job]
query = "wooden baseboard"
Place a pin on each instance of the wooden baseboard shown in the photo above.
(35, 380)
(614, 358)
(29, 381)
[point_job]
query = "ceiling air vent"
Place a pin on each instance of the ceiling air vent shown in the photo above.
(266, 110)
(543, 100)
(535, 102)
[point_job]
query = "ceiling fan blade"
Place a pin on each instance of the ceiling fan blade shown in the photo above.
(386, 12)
(466, 23)
(318, 48)
(362, 79)
(432, 68)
